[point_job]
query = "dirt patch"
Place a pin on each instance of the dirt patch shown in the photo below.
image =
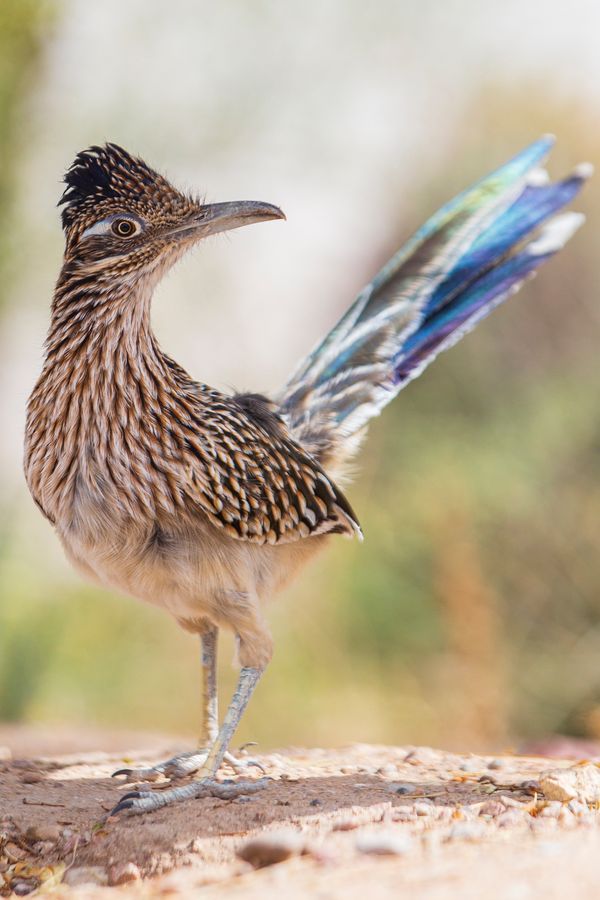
(382, 820)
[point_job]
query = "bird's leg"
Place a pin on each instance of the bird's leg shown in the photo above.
(206, 785)
(210, 701)
(210, 713)
(190, 762)
(249, 678)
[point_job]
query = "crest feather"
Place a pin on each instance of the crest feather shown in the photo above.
(108, 173)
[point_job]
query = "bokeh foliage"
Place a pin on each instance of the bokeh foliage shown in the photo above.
(23, 25)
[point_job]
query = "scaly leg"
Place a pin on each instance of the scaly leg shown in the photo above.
(205, 785)
(192, 761)
(210, 702)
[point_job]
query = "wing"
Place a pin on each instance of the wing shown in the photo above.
(252, 479)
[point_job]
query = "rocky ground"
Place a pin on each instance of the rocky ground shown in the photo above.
(382, 821)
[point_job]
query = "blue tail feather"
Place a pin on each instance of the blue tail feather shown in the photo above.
(449, 324)
(534, 206)
(467, 258)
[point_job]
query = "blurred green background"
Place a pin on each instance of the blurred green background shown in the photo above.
(470, 616)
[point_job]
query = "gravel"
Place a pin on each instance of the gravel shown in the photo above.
(384, 843)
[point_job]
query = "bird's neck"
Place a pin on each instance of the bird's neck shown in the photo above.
(101, 397)
(100, 328)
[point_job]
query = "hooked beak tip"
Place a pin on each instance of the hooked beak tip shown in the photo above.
(253, 212)
(218, 217)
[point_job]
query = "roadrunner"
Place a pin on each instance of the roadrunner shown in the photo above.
(206, 503)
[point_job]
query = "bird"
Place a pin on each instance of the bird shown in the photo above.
(207, 503)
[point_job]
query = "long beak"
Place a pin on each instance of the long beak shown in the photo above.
(216, 217)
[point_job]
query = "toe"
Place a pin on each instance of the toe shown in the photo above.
(136, 802)
(184, 765)
(242, 765)
(152, 773)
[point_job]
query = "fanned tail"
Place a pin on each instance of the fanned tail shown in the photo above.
(470, 256)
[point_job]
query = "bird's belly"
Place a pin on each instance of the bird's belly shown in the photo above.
(185, 566)
(180, 562)
(128, 562)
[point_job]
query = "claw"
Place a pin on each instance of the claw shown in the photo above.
(131, 795)
(121, 805)
(255, 763)
(152, 773)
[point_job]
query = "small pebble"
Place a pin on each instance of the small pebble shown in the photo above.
(345, 825)
(421, 756)
(492, 808)
(471, 765)
(270, 849)
(510, 802)
(404, 815)
(124, 873)
(401, 788)
(384, 843)
(423, 808)
(551, 810)
(466, 831)
(43, 833)
(42, 848)
(31, 777)
(22, 888)
(510, 817)
(81, 875)
(531, 786)
(576, 783)
(14, 852)
(315, 802)
(497, 764)
(539, 823)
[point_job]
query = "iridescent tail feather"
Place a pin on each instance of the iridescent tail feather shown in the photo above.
(467, 259)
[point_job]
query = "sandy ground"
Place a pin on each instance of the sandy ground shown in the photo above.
(382, 821)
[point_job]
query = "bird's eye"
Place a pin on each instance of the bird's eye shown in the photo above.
(124, 228)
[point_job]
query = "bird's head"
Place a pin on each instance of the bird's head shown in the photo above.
(123, 219)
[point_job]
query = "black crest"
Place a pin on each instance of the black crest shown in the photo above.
(106, 173)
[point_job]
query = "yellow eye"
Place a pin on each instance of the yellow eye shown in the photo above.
(123, 227)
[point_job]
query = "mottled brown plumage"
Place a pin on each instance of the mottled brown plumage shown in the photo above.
(203, 502)
(137, 465)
